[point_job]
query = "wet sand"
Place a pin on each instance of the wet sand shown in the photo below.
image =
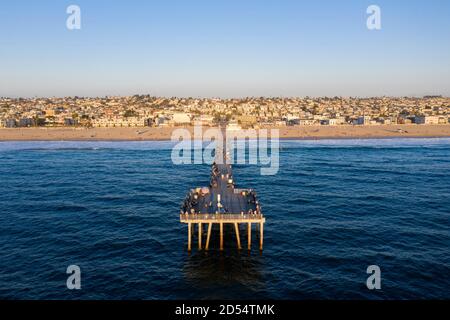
(149, 134)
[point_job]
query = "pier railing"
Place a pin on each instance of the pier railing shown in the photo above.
(217, 218)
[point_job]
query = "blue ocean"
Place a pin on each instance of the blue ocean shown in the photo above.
(334, 208)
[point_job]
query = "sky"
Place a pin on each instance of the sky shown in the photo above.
(224, 48)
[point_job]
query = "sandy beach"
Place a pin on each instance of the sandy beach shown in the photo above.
(151, 133)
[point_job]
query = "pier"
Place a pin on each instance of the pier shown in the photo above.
(222, 204)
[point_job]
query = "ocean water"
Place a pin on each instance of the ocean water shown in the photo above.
(334, 208)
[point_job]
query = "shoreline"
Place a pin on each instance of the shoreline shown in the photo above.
(281, 139)
(285, 133)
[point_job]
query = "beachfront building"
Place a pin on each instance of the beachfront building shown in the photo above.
(133, 122)
(181, 118)
(118, 122)
(279, 123)
(384, 121)
(69, 122)
(428, 120)
(9, 123)
(307, 122)
(233, 125)
(329, 122)
(26, 122)
(247, 121)
(405, 119)
(363, 120)
(204, 120)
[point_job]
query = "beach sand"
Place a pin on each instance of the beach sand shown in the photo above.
(150, 133)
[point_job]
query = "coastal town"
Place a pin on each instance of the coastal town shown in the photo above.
(149, 111)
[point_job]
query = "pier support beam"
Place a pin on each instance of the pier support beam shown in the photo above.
(238, 238)
(249, 234)
(221, 236)
(261, 235)
(189, 236)
(208, 237)
(200, 236)
(234, 220)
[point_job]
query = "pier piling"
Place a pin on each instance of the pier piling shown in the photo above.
(261, 235)
(208, 237)
(249, 231)
(189, 236)
(221, 236)
(200, 236)
(238, 239)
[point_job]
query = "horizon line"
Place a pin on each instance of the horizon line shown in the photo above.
(227, 98)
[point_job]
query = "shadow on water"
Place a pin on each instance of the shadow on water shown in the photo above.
(231, 274)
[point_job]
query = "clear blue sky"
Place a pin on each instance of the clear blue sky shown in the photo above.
(224, 48)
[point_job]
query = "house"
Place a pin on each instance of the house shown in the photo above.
(307, 122)
(181, 118)
(426, 120)
(246, 120)
(363, 120)
(329, 122)
(26, 122)
(204, 120)
(70, 122)
(10, 123)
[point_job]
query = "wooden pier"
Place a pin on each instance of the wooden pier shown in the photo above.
(220, 204)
